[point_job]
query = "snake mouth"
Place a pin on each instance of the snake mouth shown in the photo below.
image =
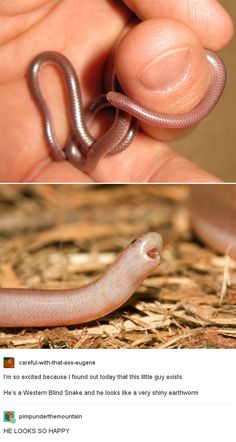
(153, 253)
(151, 246)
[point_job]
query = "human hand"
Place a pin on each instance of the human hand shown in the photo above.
(86, 34)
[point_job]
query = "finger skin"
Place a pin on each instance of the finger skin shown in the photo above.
(14, 7)
(148, 160)
(207, 18)
(62, 172)
(67, 28)
(169, 73)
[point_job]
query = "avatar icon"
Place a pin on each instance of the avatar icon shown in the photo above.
(8, 362)
(9, 416)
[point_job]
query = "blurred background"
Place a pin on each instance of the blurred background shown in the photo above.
(213, 144)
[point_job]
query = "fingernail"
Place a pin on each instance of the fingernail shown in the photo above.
(167, 70)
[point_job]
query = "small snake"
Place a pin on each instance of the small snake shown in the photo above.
(43, 308)
(81, 149)
(213, 216)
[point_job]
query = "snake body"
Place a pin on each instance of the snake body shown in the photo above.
(81, 149)
(37, 308)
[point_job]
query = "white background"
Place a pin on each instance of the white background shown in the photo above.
(207, 416)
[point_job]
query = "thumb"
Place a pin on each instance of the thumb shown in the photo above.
(161, 64)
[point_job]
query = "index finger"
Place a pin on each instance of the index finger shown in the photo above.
(207, 18)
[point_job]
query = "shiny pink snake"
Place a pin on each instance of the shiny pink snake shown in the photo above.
(81, 149)
(44, 308)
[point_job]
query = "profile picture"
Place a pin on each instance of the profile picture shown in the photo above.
(8, 362)
(9, 416)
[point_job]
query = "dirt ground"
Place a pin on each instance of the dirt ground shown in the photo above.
(61, 236)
